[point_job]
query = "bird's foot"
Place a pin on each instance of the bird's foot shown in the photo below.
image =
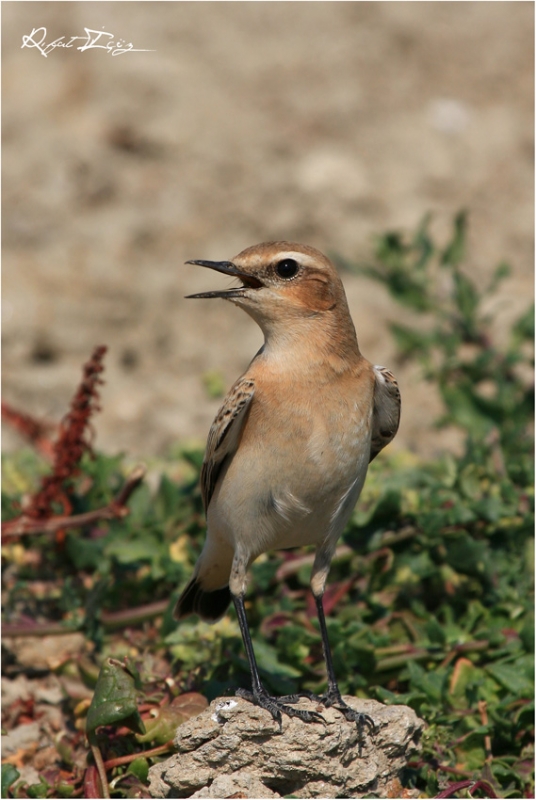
(333, 699)
(278, 706)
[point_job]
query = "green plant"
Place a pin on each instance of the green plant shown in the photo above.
(483, 383)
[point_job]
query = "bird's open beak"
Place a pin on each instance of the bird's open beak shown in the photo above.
(228, 268)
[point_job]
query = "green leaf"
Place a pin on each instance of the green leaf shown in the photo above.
(431, 683)
(464, 411)
(263, 572)
(115, 698)
(502, 271)
(435, 631)
(454, 252)
(140, 768)
(132, 549)
(85, 553)
(524, 327)
(411, 342)
(168, 499)
(268, 660)
(466, 299)
(470, 481)
(423, 244)
(21, 472)
(512, 678)
(9, 776)
(140, 504)
(466, 554)
(38, 789)
(196, 644)
(65, 789)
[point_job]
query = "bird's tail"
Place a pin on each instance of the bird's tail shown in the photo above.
(210, 606)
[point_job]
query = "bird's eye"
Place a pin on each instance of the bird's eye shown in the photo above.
(287, 268)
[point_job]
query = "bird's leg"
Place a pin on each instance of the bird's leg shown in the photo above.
(259, 696)
(332, 698)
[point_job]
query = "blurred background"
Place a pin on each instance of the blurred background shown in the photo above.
(319, 122)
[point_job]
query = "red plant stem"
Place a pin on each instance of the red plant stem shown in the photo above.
(72, 442)
(116, 509)
(451, 790)
(156, 751)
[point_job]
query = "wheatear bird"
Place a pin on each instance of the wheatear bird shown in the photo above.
(288, 452)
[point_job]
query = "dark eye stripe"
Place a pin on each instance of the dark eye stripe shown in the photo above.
(287, 268)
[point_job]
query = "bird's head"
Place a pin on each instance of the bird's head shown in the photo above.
(281, 282)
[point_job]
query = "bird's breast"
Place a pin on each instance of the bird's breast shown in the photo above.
(299, 461)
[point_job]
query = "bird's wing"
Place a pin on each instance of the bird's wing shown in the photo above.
(224, 434)
(386, 415)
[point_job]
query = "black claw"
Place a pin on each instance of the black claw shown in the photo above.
(277, 706)
(361, 720)
(295, 698)
(315, 698)
(334, 700)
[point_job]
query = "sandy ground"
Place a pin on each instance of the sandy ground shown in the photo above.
(318, 122)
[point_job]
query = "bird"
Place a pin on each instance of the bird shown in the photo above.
(288, 451)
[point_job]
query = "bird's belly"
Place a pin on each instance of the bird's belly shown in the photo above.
(291, 491)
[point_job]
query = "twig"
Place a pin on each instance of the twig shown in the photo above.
(109, 619)
(465, 647)
(133, 616)
(46, 629)
(483, 711)
(393, 537)
(440, 768)
(97, 755)
(116, 509)
(413, 654)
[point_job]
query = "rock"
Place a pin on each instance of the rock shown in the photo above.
(21, 738)
(28, 774)
(239, 784)
(45, 652)
(235, 749)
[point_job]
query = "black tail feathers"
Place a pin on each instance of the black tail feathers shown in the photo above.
(210, 606)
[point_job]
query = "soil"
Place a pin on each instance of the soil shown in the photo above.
(318, 122)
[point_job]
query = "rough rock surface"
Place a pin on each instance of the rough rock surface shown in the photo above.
(234, 749)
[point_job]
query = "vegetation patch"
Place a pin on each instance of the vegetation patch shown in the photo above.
(430, 599)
